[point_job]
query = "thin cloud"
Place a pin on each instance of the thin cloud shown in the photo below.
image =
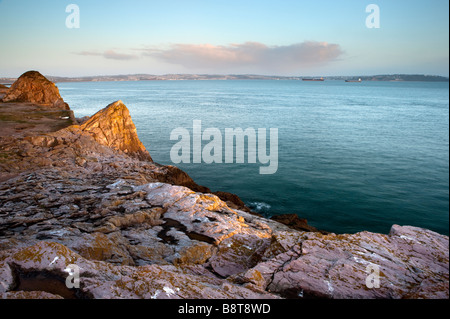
(249, 54)
(109, 54)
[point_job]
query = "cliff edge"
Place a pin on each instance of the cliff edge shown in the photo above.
(89, 196)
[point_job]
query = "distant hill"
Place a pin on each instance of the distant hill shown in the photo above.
(395, 77)
(179, 77)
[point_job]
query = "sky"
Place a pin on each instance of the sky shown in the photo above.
(266, 37)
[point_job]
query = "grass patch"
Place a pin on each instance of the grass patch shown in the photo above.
(5, 117)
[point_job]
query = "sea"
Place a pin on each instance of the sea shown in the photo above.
(351, 156)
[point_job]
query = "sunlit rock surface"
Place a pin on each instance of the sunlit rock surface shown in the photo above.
(33, 87)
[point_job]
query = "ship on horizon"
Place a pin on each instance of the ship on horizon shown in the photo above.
(313, 79)
(359, 80)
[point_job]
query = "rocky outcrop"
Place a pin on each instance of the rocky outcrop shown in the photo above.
(234, 201)
(33, 87)
(294, 222)
(114, 127)
(88, 195)
(50, 262)
(3, 90)
(144, 229)
(410, 262)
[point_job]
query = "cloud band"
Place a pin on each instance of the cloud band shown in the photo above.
(251, 54)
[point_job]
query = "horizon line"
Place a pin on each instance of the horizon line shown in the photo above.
(236, 74)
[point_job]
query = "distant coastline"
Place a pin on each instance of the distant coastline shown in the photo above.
(180, 77)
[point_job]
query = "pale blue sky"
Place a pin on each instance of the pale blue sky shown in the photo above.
(324, 37)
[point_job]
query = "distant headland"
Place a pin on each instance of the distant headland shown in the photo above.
(180, 77)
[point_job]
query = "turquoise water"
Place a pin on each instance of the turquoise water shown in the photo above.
(352, 156)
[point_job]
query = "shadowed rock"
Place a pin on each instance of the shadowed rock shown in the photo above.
(3, 91)
(295, 222)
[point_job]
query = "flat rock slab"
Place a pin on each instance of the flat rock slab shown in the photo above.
(54, 263)
(410, 262)
(26, 119)
(186, 236)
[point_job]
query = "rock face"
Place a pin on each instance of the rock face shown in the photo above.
(3, 90)
(114, 127)
(295, 222)
(33, 87)
(88, 195)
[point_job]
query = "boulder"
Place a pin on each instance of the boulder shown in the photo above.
(113, 127)
(33, 87)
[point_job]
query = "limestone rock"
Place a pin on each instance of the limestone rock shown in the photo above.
(233, 201)
(3, 90)
(410, 262)
(33, 87)
(113, 127)
(41, 295)
(42, 270)
(98, 246)
(182, 235)
(201, 216)
(238, 254)
(295, 222)
(175, 176)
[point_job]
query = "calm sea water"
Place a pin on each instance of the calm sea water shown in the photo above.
(352, 156)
